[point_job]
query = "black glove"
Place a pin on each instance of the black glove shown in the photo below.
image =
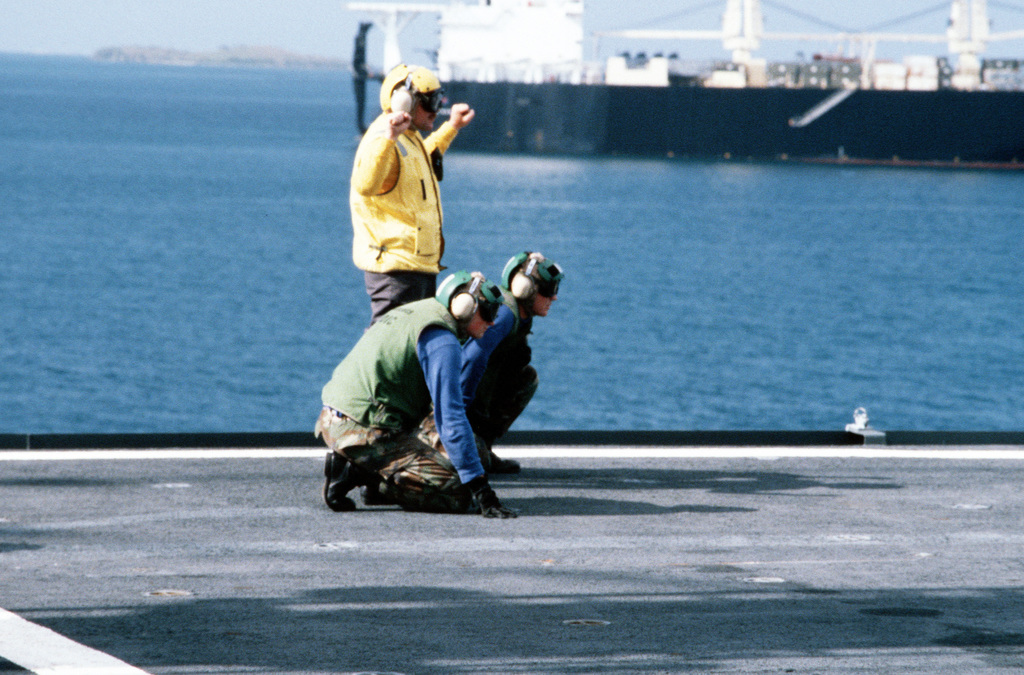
(486, 502)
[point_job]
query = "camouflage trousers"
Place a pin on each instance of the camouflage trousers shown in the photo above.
(414, 469)
(427, 432)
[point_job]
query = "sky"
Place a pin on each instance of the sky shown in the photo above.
(326, 28)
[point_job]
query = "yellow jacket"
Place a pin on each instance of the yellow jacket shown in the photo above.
(395, 201)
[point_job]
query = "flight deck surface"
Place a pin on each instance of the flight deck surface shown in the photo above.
(623, 560)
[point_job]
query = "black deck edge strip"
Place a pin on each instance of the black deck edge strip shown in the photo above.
(268, 439)
(299, 439)
(13, 442)
(954, 437)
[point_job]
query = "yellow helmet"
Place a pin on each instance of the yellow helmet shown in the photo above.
(417, 82)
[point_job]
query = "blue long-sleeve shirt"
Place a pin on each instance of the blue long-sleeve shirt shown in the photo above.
(440, 357)
(476, 352)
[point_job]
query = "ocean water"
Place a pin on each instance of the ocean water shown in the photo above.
(175, 249)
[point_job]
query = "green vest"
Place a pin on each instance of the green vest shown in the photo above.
(380, 383)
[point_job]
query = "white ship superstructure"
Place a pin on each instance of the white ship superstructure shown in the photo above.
(512, 40)
(538, 41)
(492, 40)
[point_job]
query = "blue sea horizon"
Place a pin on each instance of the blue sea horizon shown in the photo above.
(176, 248)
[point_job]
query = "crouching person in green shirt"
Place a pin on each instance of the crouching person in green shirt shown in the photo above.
(406, 363)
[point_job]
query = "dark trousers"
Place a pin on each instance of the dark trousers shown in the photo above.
(391, 289)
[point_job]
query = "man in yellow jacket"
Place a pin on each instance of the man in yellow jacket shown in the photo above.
(395, 199)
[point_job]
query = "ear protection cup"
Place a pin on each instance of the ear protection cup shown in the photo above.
(522, 287)
(463, 306)
(401, 97)
(512, 268)
(448, 288)
(392, 81)
(458, 293)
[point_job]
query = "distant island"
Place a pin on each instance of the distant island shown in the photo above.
(257, 57)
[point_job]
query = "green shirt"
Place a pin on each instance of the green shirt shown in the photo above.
(380, 383)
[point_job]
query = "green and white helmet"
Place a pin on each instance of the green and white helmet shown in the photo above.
(529, 273)
(462, 293)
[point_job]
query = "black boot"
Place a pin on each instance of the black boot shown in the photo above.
(372, 496)
(496, 464)
(338, 482)
(499, 465)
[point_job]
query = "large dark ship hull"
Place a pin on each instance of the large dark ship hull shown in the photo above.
(931, 127)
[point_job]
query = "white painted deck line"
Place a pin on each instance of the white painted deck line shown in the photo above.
(542, 451)
(45, 652)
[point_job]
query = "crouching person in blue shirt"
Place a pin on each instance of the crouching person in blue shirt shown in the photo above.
(497, 378)
(408, 362)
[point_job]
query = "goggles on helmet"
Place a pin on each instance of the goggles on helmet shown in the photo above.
(489, 311)
(431, 101)
(549, 276)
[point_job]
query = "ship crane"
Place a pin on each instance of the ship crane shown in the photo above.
(393, 18)
(968, 30)
(741, 33)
